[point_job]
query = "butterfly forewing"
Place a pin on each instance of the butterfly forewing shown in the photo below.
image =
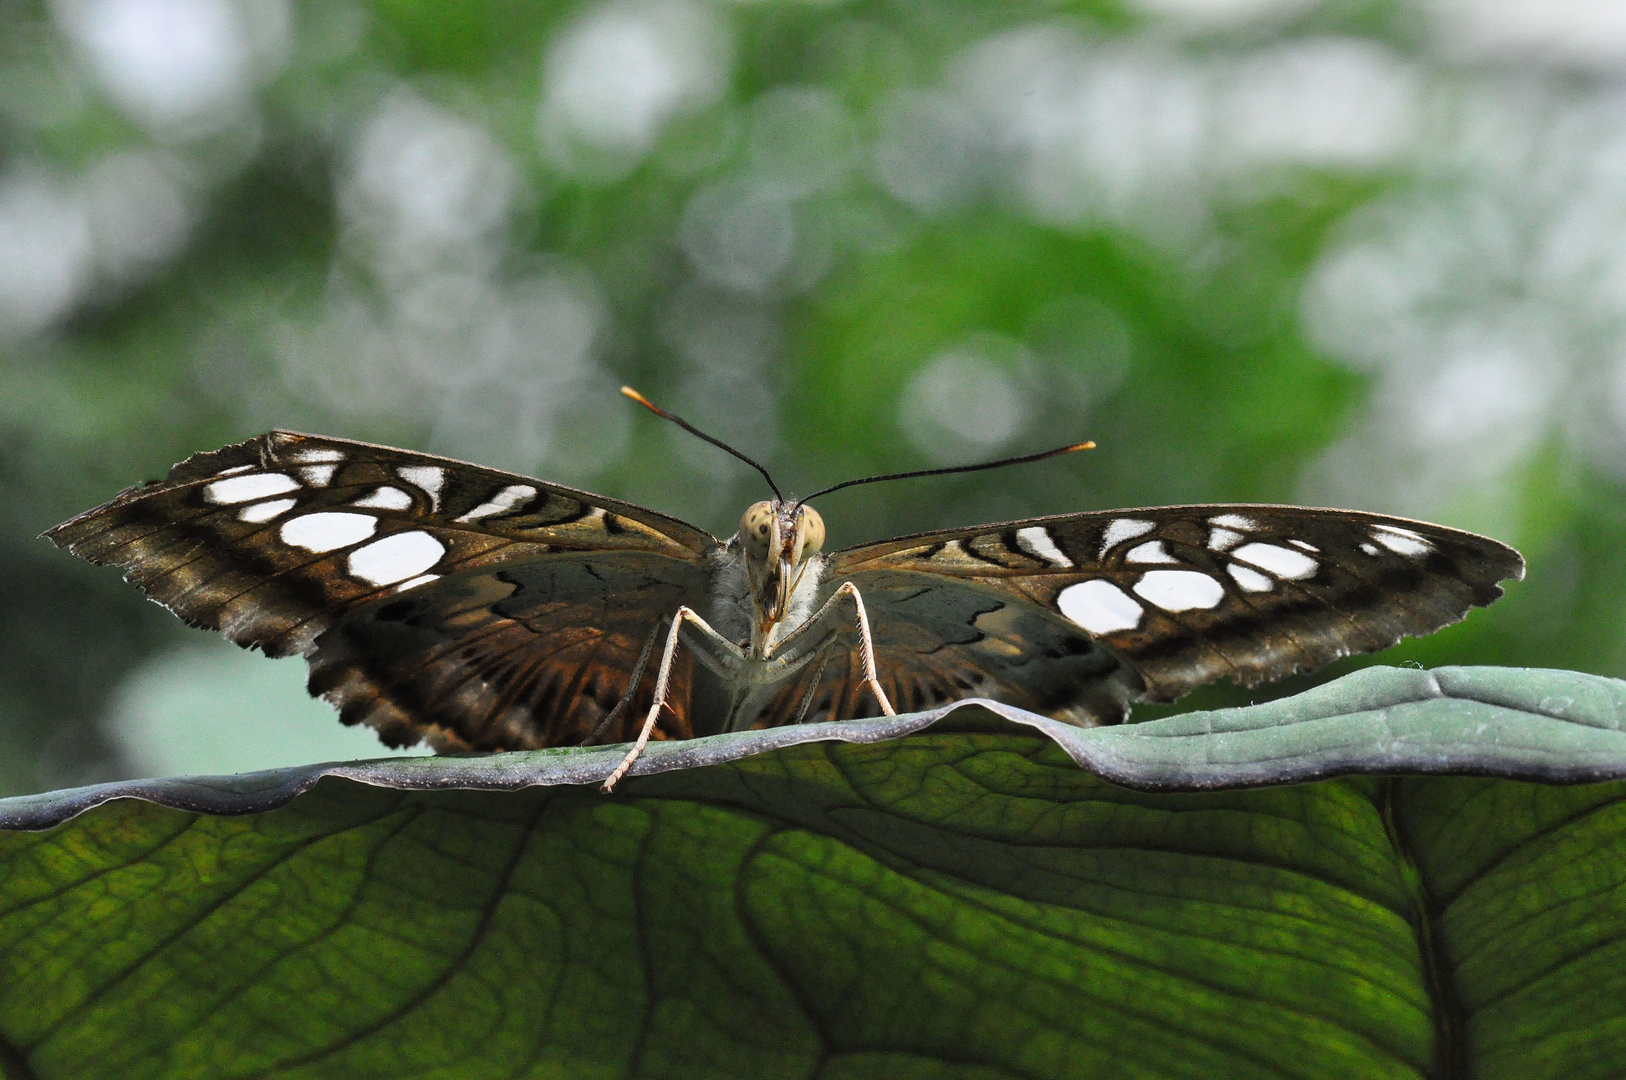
(1189, 594)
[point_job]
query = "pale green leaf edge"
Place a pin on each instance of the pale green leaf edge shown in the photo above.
(1517, 723)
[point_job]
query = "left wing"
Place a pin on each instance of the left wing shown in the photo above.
(1182, 595)
(433, 598)
(555, 651)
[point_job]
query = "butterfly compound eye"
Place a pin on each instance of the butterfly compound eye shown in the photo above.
(756, 529)
(811, 527)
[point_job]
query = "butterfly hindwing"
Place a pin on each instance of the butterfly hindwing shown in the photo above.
(275, 540)
(537, 653)
(1189, 594)
(939, 638)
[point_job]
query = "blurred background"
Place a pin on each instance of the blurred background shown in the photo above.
(1364, 253)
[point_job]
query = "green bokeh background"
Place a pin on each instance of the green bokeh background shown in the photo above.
(1364, 254)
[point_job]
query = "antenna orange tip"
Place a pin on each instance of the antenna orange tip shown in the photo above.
(1081, 446)
(639, 398)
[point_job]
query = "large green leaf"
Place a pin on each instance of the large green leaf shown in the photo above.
(962, 903)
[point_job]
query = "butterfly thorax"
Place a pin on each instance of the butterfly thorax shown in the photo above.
(773, 563)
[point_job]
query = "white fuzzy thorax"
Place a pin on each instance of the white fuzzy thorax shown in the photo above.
(732, 612)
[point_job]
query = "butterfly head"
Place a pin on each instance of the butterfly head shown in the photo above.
(779, 539)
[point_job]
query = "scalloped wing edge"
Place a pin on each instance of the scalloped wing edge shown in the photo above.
(1532, 724)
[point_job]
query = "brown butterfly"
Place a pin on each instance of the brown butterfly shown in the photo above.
(480, 610)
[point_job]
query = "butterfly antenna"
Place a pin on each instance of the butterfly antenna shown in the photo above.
(692, 430)
(1000, 464)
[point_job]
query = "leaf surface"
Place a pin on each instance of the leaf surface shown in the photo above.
(962, 903)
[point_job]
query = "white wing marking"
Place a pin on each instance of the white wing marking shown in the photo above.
(1283, 562)
(312, 455)
(1250, 580)
(327, 531)
(385, 498)
(260, 513)
(1099, 607)
(1179, 590)
(1036, 541)
(1150, 552)
(245, 488)
(422, 579)
(396, 558)
(1120, 530)
(317, 475)
(1401, 541)
(509, 497)
(430, 478)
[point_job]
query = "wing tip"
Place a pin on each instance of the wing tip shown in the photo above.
(201, 465)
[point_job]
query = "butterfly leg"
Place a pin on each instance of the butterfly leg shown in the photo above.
(663, 676)
(813, 636)
(866, 648)
(812, 689)
(632, 688)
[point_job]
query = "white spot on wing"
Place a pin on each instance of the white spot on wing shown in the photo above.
(234, 470)
(1370, 549)
(1250, 580)
(1036, 541)
(386, 498)
(1123, 529)
(260, 513)
(509, 497)
(396, 558)
(1150, 552)
(327, 531)
(421, 579)
(431, 478)
(1305, 546)
(1234, 521)
(1099, 607)
(311, 455)
(244, 488)
(413, 583)
(1401, 541)
(1180, 590)
(317, 475)
(1223, 539)
(1283, 562)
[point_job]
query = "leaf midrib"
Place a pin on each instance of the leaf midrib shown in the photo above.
(1428, 926)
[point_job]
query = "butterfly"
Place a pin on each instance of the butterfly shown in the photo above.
(481, 610)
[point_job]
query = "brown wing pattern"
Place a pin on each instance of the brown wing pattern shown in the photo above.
(269, 540)
(1189, 594)
(277, 540)
(539, 653)
(938, 639)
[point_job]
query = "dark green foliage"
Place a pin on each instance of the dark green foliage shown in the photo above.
(962, 905)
